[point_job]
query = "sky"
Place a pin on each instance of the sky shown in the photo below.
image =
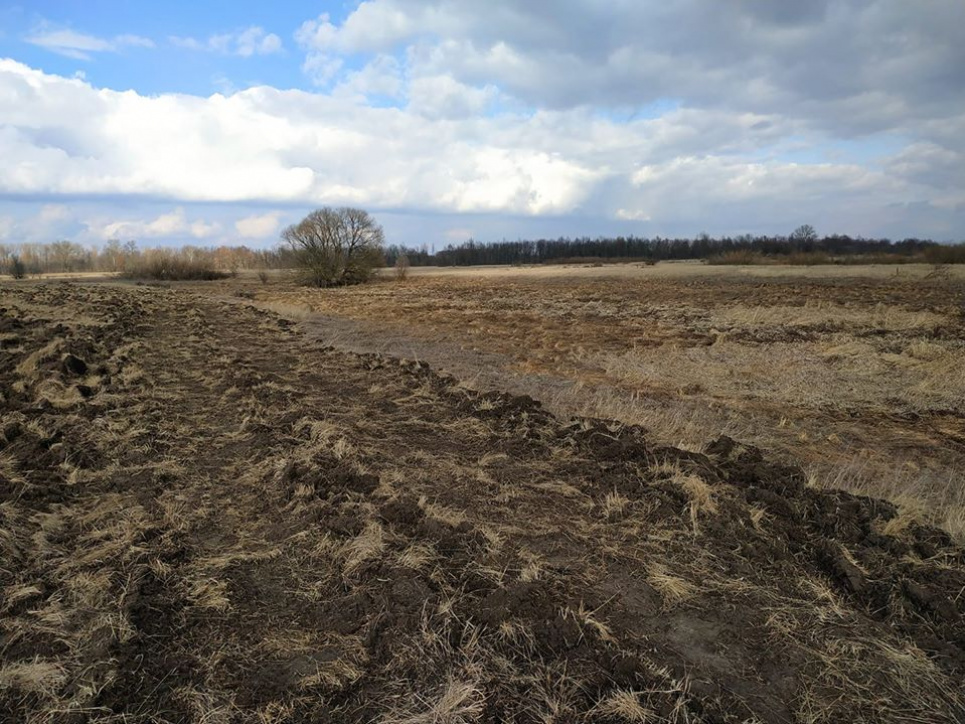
(222, 122)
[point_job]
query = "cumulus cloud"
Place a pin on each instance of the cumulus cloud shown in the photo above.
(441, 96)
(258, 226)
(281, 145)
(380, 77)
(77, 45)
(682, 116)
(48, 223)
(169, 225)
(322, 61)
(853, 66)
(244, 43)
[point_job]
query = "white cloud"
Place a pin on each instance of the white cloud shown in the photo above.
(258, 226)
(50, 222)
(847, 65)
(382, 76)
(441, 96)
(316, 37)
(51, 214)
(255, 41)
(321, 68)
(79, 46)
(281, 145)
(166, 226)
(62, 138)
(372, 26)
(244, 43)
(318, 34)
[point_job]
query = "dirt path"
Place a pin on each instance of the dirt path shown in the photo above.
(207, 517)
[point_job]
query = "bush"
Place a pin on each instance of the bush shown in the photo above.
(169, 265)
(741, 257)
(564, 260)
(882, 257)
(809, 258)
(16, 268)
(401, 267)
(946, 254)
(334, 247)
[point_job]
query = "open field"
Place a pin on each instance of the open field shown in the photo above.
(857, 373)
(209, 513)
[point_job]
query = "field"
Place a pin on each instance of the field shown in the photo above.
(855, 373)
(245, 502)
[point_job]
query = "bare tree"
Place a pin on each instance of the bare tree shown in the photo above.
(64, 254)
(332, 247)
(805, 233)
(112, 256)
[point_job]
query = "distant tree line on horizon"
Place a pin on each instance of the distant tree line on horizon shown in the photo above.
(633, 248)
(802, 246)
(115, 256)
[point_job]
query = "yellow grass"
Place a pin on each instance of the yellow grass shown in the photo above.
(855, 372)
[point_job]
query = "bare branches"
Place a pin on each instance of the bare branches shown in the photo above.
(336, 246)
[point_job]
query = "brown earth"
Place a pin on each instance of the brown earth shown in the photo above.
(856, 373)
(205, 516)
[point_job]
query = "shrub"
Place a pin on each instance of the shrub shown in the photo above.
(739, 257)
(809, 258)
(946, 254)
(401, 267)
(881, 257)
(16, 268)
(263, 276)
(170, 265)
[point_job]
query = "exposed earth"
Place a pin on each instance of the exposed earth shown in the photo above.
(206, 516)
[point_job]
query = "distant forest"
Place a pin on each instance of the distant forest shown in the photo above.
(632, 248)
(801, 247)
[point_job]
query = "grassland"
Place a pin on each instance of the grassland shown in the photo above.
(856, 373)
(212, 513)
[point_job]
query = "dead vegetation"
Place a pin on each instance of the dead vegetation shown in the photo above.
(857, 373)
(173, 265)
(230, 522)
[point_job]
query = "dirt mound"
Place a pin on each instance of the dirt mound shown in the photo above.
(233, 524)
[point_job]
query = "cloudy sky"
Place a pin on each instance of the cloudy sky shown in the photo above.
(213, 122)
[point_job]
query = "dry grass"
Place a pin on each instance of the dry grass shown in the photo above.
(672, 588)
(856, 372)
(241, 525)
(625, 705)
(459, 702)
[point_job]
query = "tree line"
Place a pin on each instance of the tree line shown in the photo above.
(116, 256)
(634, 248)
(305, 248)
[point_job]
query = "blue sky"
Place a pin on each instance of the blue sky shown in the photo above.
(222, 122)
(165, 67)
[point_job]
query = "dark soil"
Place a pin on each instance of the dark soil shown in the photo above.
(206, 517)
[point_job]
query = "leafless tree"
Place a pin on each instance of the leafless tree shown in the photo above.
(805, 233)
(332, 247)
(65, 253)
